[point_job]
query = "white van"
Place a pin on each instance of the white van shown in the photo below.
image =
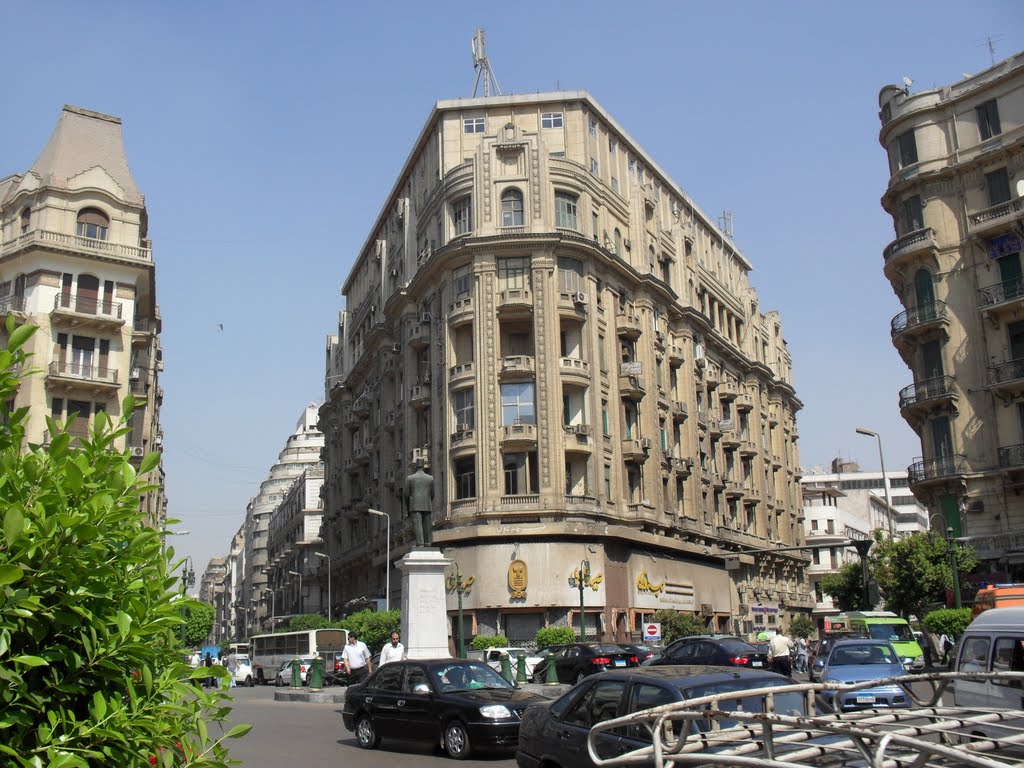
(994, 642)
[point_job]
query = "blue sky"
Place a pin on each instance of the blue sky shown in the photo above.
(266, 141)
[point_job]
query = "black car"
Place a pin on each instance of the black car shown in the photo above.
(642, 652)
(555, 733)
(463, 705)
(722, 651)
(575, 661)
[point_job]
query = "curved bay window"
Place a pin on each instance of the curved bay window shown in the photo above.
(517, 404)
(464, 473)
(512, 208)
(514, 272)
(566, 208)
(570, 275)
(93, 223)
(462, 215)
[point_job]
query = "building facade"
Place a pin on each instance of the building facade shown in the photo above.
(298, 574)
(76, 260)
(573, 349)
(956, 162)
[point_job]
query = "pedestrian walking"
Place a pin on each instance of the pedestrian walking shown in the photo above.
(393, 651)
(357, 659)
(945, 644)
(232, 665)
(779, 648)
(801, 654)
(208, 663)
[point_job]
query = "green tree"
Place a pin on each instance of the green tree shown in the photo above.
(91, 667)
(949, 621)
(803, 625)
(554, 636)
(482, 642)
(676, 624)
(306, 621)
(914, 573)
(846, 587)
(373, 627)
(198, 623)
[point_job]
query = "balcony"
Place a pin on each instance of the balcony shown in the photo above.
(632, 388)
(628, 326)
(60, 241)
(940, 469)
(1007, 378)
(733, 487)
(461, 310)
(922, 395)
(675, 355)
(1002, 297)
(702, 418)
(12, 305)
(683, 467)
(997, 218)
(361, 451)
(1011, 457)
(575, 503)
(419, 396)
(577, 438)
(79, 312)
(393, 420)
(574, 369)
(463, 441)
(635, 450)
(515, 301)
(416, 455)
(921, 321)
(361, 405)
(419, 335)
(646, 513)
(573, 304)
(80, 377)
(519, 435)
(744, 403)
(460, 373)
(714, 426)
(680, 410)
(516, 367)
(730, 435)
(910, 245)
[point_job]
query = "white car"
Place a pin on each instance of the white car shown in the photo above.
(284, 674)
(493, 658)
(243, 675)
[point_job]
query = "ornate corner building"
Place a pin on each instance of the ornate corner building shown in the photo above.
(75, 260)
(956, 196)
(547, 321)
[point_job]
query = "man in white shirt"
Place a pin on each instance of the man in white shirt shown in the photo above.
(357, 659)
(394, 651)
(779, 648)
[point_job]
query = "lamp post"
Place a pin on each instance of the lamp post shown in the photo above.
(582, 577)
(273, 606)
(460, 589)
(296, 573)
(328, 559)
(885, 479)
(951, 549)
(387, 556)
(249, 622)
(188, 580)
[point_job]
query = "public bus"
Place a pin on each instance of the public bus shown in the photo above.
(880, 625)
(268, 652)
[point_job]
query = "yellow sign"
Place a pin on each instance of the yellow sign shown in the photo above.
(588, 580)
(517, 579)
(452, 584)
(644, 585)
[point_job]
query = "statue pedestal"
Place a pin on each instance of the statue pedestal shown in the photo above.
(424, 608)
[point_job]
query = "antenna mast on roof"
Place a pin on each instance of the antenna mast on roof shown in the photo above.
(725, 223)
(482, 65)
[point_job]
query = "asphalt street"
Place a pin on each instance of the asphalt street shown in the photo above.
(312, 736)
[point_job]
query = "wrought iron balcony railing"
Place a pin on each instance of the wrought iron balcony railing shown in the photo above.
(924, 470)
(929, 389)
(920, 315)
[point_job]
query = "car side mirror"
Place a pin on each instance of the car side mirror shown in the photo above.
(819, 665)
(421, 688)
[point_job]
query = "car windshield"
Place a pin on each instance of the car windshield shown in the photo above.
(790, 703)
(863, 653)
(467, 677)
(899, 632)
(737, 646)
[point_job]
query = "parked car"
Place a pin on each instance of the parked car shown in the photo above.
(555, 733)
(284, 674)
(539, 669)
(720, 650)
(642, 652)
(859, 661)
(575, 661)
(462, 704)
(243, 675)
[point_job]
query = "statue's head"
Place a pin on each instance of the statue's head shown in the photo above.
(419, 465)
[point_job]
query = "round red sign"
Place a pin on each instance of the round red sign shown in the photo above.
(652, 629)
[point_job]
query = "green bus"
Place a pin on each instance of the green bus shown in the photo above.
(881, 625)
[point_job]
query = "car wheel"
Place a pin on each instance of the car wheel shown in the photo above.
(580, 677)
(456, 740)
(366, 734)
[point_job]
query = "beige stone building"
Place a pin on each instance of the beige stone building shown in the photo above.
(956, 161)
(546, 319)
(75, 260)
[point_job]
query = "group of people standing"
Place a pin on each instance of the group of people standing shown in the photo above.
(786, 655)
(358, 661)
(231, 662)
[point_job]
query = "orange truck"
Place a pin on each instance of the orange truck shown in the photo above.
(998, 596)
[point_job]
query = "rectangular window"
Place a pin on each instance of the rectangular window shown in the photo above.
(463, 281)
(570, 275)
(607, 481)
(615, 184)
(593, 220)
(465, 478)
(473, 125)
(520, 474)
(906, 149)
(463, 404)
(605, 427)
(613, 145)
(602, 359)
(565, 210)
(988, 119)
(594, 166)
(632, 166)
(462, 215)
(911, 215)
(593, 127)
(57, 408)
(998, 185)
(551, 120)
(514, 272)
(517, 404)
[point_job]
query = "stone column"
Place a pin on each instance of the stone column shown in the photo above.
(424, 611)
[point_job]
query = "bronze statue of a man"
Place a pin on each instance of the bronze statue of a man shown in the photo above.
(419, 498)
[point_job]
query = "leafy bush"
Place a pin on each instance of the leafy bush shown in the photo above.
(803, 626)
(306, 621)
(198, 623)
(483, 642)
(373, 627)
(950, 621)
(555, 636)
(91, 667)
(676, 624)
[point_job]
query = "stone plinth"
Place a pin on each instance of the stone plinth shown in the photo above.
(424, 608)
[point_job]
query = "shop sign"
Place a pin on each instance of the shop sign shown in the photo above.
(1004, 245)
(517, 579)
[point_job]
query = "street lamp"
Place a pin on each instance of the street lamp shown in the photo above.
(460, 589)
(387, 563)
(951, 548)
(582, 577)
(885, 479)
(296, 573)
(188, 580)
(328, 559)
(273, 606)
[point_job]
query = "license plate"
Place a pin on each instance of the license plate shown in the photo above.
(620, 662)
(757, 663)
(865, 699)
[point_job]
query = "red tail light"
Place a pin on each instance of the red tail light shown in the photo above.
(338, 666)
(634, 660)
(600, 660)
(739, 661)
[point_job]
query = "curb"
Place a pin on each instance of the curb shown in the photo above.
(310, 697)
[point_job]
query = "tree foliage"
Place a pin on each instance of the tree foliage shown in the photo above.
(846, 587)
(803, 625)
(198, 623)
(374, 627)
(483, 642)
(914, 573)
(676, 624)
(91, 671)
(555, 636)
(949, 621)
(306, 621)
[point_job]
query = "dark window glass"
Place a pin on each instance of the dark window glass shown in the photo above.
(912, 214)
(389, 678)
(907, 148)
(988, 119)
(998, 185)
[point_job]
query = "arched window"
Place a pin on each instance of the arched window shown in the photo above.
(26, 219)
(93, 223)
(512, 208)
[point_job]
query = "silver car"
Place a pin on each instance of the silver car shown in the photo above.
(861, 661)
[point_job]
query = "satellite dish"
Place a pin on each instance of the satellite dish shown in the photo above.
(907, 82)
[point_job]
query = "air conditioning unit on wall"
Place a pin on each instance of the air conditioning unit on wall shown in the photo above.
(137, 451)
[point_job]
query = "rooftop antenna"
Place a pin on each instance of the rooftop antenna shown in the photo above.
(482, 65)
(725, 223)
